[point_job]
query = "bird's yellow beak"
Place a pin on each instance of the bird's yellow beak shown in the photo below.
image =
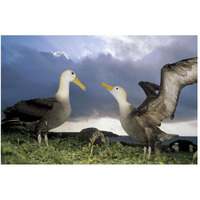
(109, 87)
(77, 82)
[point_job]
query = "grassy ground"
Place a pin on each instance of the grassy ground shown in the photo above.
(23, 149)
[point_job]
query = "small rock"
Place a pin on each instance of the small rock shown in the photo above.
(89, 134)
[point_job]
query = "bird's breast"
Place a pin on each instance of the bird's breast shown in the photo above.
(128, 124)
(59, 115)
(133, 128)
(65, 112)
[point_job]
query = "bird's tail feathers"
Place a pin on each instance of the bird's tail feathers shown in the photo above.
(165, 136)
(14, 124)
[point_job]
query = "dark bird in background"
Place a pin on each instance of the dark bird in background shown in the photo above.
(42, 114)
(143, 123)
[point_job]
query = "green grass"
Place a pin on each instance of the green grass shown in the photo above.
(23, 149)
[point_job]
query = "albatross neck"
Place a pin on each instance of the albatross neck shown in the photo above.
(63, 91)
(125, 107)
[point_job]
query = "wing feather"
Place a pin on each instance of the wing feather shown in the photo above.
(150, 91)
(29, 110)
(173, 78)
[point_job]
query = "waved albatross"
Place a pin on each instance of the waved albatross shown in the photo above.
(142, 123)
(42, 114)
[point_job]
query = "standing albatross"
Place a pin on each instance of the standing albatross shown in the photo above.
(142, 123)
(42, 114)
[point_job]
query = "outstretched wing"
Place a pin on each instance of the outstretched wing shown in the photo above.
(29, 110)
(173, 78)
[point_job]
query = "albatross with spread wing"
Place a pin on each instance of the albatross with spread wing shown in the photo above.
(42, 114)
(142, 123)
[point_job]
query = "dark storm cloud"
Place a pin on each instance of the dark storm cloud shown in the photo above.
(33, 74)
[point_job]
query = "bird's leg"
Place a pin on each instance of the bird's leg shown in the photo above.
(157, 148)
(150, 139)
(46, 139)
(45, 136)
(149, 152)
(39, 137)
(145, 151)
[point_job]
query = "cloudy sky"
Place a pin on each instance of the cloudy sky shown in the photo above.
(31, 67)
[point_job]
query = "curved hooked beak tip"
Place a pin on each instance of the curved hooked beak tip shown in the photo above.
(109, 87)
(77, 82)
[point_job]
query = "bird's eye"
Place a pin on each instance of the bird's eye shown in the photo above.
(116, 88)
(72, 73)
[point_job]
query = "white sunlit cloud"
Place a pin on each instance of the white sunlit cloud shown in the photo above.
(119, 46)
(133, 47)
(90, 48)
(85, 52)
(188, 128)
(114, 125)
(60, 53)
(105, 124)
(57, 54)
